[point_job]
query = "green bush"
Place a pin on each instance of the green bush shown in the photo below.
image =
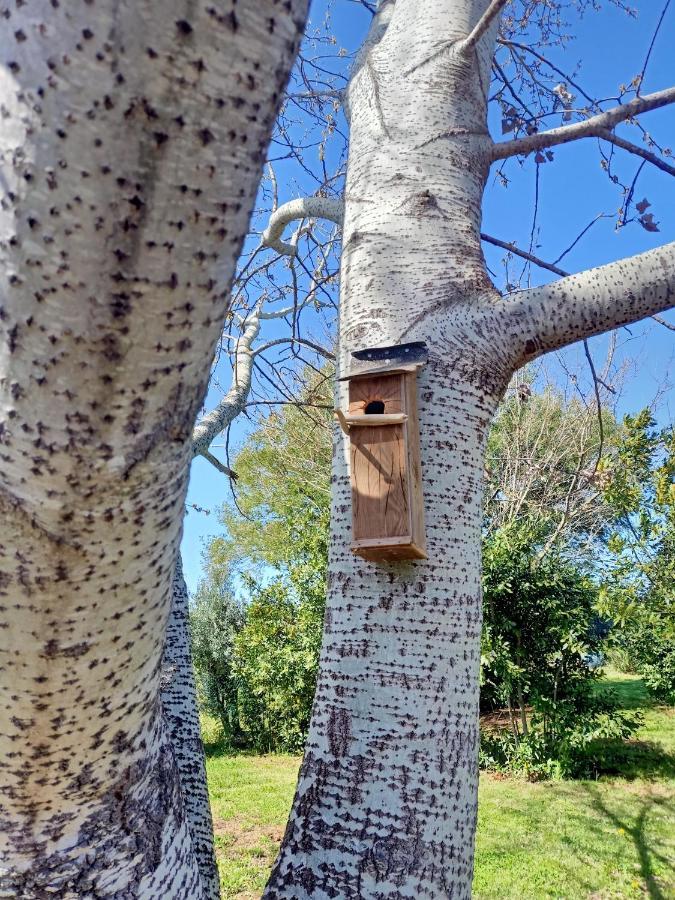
(275, 664)
(587, 741)
(638, 590)
(650, 651)
(215, 619)
(541, 632)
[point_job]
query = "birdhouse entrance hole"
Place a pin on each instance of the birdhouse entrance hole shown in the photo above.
(375, 408)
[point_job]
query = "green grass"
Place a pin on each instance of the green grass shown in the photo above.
(601, 840)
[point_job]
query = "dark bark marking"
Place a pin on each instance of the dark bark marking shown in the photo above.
(339, 731)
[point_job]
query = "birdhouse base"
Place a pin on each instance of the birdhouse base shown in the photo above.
(388, 549)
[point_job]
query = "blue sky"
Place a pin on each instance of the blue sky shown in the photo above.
(609, 48)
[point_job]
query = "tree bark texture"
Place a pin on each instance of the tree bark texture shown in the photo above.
(181, 714)
(131, 149)
(386, 801)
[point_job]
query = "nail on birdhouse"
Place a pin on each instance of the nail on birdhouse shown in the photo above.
(384, 436)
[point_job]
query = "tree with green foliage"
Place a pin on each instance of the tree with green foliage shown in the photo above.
(540, 612)
(216, 618)
(541, 631)
(276, 546)
(639, 567)
(275, 662)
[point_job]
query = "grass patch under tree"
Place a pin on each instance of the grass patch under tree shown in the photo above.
(604, 839)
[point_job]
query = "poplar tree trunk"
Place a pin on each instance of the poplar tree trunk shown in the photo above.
(394, 733)
(181, 714)
(131, 149)
(386, 801)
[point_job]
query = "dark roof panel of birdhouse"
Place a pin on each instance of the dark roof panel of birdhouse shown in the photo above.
(392, 359)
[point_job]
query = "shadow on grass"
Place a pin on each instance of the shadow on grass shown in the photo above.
(637, 759)
(635, 827)
(634, 758)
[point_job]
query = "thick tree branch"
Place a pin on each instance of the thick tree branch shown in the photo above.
(663, 322)
(234, 401)
(210, 425)
(217, 464)
(579, 306)
(302, 208)
(542, 264)
(490, 14)
(593, 127)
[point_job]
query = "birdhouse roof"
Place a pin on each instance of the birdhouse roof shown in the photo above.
(391, 360)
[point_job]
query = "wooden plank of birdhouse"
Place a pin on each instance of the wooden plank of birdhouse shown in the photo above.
(379, 482)
(365, 420)
(415, 467)
(378, 462)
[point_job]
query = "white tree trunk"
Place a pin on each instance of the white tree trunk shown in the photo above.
(386, 802)
(131, 148)
(387, 795)
(181, 714)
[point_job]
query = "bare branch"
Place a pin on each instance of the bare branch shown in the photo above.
(235, 399)
(579, 306)
(636, 150)
(530, 257)
(490, 14)
(512, 248)
(598, 401)
(302, 208)
(663, 322)
(592, 127)
(465, 45)
(226, 470)
(317, 348)
(641, 76)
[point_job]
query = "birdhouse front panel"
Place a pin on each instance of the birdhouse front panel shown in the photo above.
(380, 502)
(387, 508)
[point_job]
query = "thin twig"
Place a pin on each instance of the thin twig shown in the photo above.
(523, 254)
(651, 46)
(596, 388)
(636, 150)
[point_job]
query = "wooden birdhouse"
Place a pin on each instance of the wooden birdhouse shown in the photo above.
(383, 429)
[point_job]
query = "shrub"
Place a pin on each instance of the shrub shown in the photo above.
(215, 619)
(586, 741)
(650, 651)
(275, 663)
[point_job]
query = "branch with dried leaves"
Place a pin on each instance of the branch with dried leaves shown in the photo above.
(595, 126)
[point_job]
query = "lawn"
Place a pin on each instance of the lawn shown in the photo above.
(605, 839)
